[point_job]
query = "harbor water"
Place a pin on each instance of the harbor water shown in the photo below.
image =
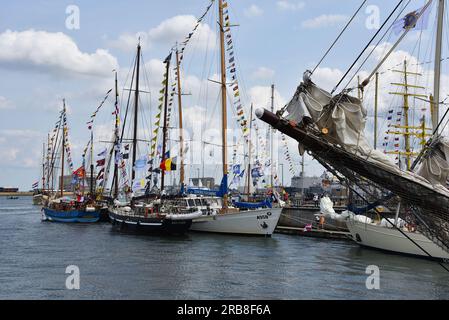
(34, 256)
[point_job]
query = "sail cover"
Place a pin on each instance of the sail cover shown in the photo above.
(343, 116)
(435, 166)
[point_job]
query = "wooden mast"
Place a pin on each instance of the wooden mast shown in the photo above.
(48, 162)
(165, 128)
(437, 74)
(136, 109)
(376, 102)
(91, 164)
(43, 168)
(272, 140)
(116, 139)
(223, 98)
(63, 150)
(248, 174)
(181, 133)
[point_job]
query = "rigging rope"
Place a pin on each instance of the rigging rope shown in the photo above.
(339, 36)
(367, 46)
(375, 47)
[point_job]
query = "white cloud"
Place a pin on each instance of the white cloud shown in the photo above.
(20, 134)
(253, 11)
(263, 73)
(327, 78)
(5, 104)
(290, 6)
(168, 32)
(324, 20)
(261, 97)
(54, 52)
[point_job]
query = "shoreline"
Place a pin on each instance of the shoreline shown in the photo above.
(16, 194)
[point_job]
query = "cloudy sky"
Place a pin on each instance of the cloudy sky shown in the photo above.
(44, 59)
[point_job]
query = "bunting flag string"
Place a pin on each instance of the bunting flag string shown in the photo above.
(190, 35)
(92, 117)
(287, 154)
(157, 125)
(66, 143)
(234, 85)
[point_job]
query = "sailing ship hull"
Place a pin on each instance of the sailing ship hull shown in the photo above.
(148, 225)
(390, 239)
(72, 216)
(260, 222)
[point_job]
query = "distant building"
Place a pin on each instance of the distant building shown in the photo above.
(207, 182)
(9, 189)
(301, 184)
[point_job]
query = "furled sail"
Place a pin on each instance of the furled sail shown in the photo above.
(332, 129)
(343, 116)
(435, 165)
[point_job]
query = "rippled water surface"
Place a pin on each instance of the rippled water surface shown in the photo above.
(34, 256)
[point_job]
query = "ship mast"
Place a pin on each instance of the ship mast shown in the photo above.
(136, 109)
(223, 98)
(376, 103)
(91, 164)
(407, 130)
(181, 133)
(437, 74)
(271, 138)
(43, 167)
(63, 151)
(116, 139)
(165, 128)
(248, 175)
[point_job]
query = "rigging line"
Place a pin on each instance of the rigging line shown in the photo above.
(407, 30)
(368, 44)
(128, 102)
(377, 45)
(338, 37)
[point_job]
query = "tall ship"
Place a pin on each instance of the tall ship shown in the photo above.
(332, 128)
(220, 214)
(133, 206)
(58, 207)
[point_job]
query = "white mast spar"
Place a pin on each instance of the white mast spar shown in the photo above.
(437, 68)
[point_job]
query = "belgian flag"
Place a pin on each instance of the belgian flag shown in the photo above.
(168, 164)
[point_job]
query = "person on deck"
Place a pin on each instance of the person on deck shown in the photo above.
(315, 200)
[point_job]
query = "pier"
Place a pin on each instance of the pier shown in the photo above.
(314, 233)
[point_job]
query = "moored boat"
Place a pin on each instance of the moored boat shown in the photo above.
(374, 235)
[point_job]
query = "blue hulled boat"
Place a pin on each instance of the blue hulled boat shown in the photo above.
(72, 216)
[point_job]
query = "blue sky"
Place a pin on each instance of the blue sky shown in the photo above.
(275, 42)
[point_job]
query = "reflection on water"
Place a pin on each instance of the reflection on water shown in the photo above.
(34, 255)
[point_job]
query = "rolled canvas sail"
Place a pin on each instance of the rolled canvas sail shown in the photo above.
(343, 116)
